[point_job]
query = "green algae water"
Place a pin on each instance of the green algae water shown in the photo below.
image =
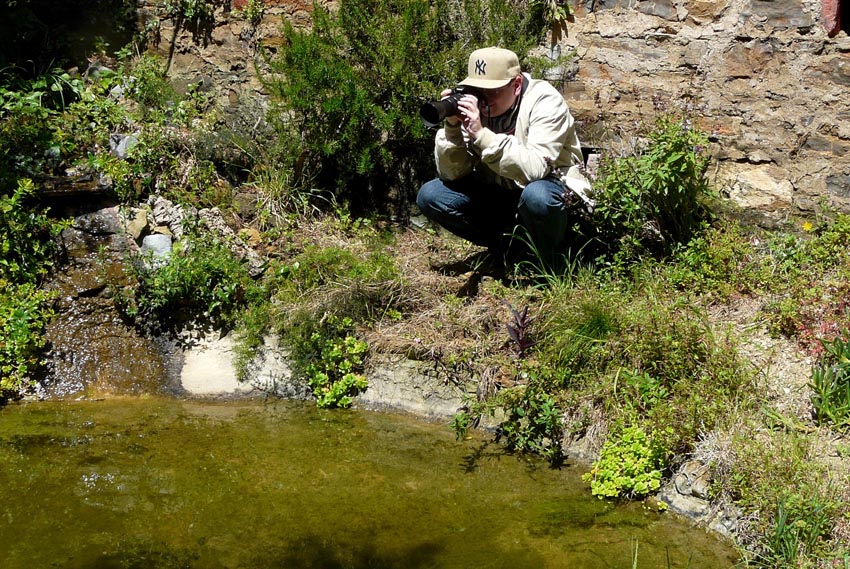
(163, 483)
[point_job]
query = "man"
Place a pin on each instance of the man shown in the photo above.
(509, 157)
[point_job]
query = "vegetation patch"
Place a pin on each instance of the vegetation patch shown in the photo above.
(27, 250)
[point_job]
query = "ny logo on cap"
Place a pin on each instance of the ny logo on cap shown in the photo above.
(480, 64)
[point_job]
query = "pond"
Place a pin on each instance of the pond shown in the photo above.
(150, 482)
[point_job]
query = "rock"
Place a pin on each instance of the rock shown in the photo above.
(763, 187)
(100, 222)
(270, 372)
(404, 385)
(137, 222)
(251, 236)
(167, 213)
(693, 508)
(208, 370)
(693, 479)
(213, 220)
(726, 521)
(159, 247)
(121, 144)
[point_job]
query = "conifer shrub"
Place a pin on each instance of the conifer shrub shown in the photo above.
(349, 88)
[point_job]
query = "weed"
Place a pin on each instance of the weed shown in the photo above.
(653, 200)
(26, 254)
(24, 311)
(533, 420)
(801, 526)
(831, 384)
(192, 11)
(26, 236)
(519, 331)
(253, 11)
(279, 197)
(334, 362)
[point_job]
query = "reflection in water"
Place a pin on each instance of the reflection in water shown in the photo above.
(162, 483)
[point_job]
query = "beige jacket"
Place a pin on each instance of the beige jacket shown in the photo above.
(545, 144)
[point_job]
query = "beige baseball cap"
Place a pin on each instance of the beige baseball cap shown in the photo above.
(491, 68)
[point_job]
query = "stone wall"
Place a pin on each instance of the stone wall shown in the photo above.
(770, 82)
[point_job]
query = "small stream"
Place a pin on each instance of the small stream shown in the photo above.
(149, 482)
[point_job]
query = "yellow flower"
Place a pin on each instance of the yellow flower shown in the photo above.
(807, 226)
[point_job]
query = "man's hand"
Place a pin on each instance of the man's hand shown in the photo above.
(453, 121)
(470, 115)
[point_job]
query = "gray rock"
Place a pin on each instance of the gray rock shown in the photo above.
(121, 144)
(158, 246)
(137, 223)
(693, 508)
(693, 479)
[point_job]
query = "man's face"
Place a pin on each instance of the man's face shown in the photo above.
(501, 99)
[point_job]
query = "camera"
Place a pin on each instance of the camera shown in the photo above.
(434, 112)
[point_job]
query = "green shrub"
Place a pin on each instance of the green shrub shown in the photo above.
(335, 372)
(653, 200)
(26, 254)
(811, 283)
(643, 351)
(27, 123)
(533, 420)
(350, 86)
(26, 237)
(577, 330)
(630, 465)
(722, 261)
(192, 11)
(357, 285)
(801, 526)
(24, 311)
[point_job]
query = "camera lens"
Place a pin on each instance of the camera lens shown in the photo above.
(434, 112)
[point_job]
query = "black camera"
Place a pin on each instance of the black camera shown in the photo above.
(434, 112)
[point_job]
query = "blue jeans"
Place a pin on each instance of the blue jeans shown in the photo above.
(486, 213)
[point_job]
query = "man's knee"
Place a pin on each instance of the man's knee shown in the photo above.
(540, 198)
(428, 195)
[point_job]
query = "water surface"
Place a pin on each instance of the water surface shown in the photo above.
(163, 483)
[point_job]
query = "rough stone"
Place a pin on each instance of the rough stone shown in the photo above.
(137, 223)
(689, 506)
(693, 479)
(404, 385)
(763, 187)
(100, 222)
(121, 144)
(705, 11)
